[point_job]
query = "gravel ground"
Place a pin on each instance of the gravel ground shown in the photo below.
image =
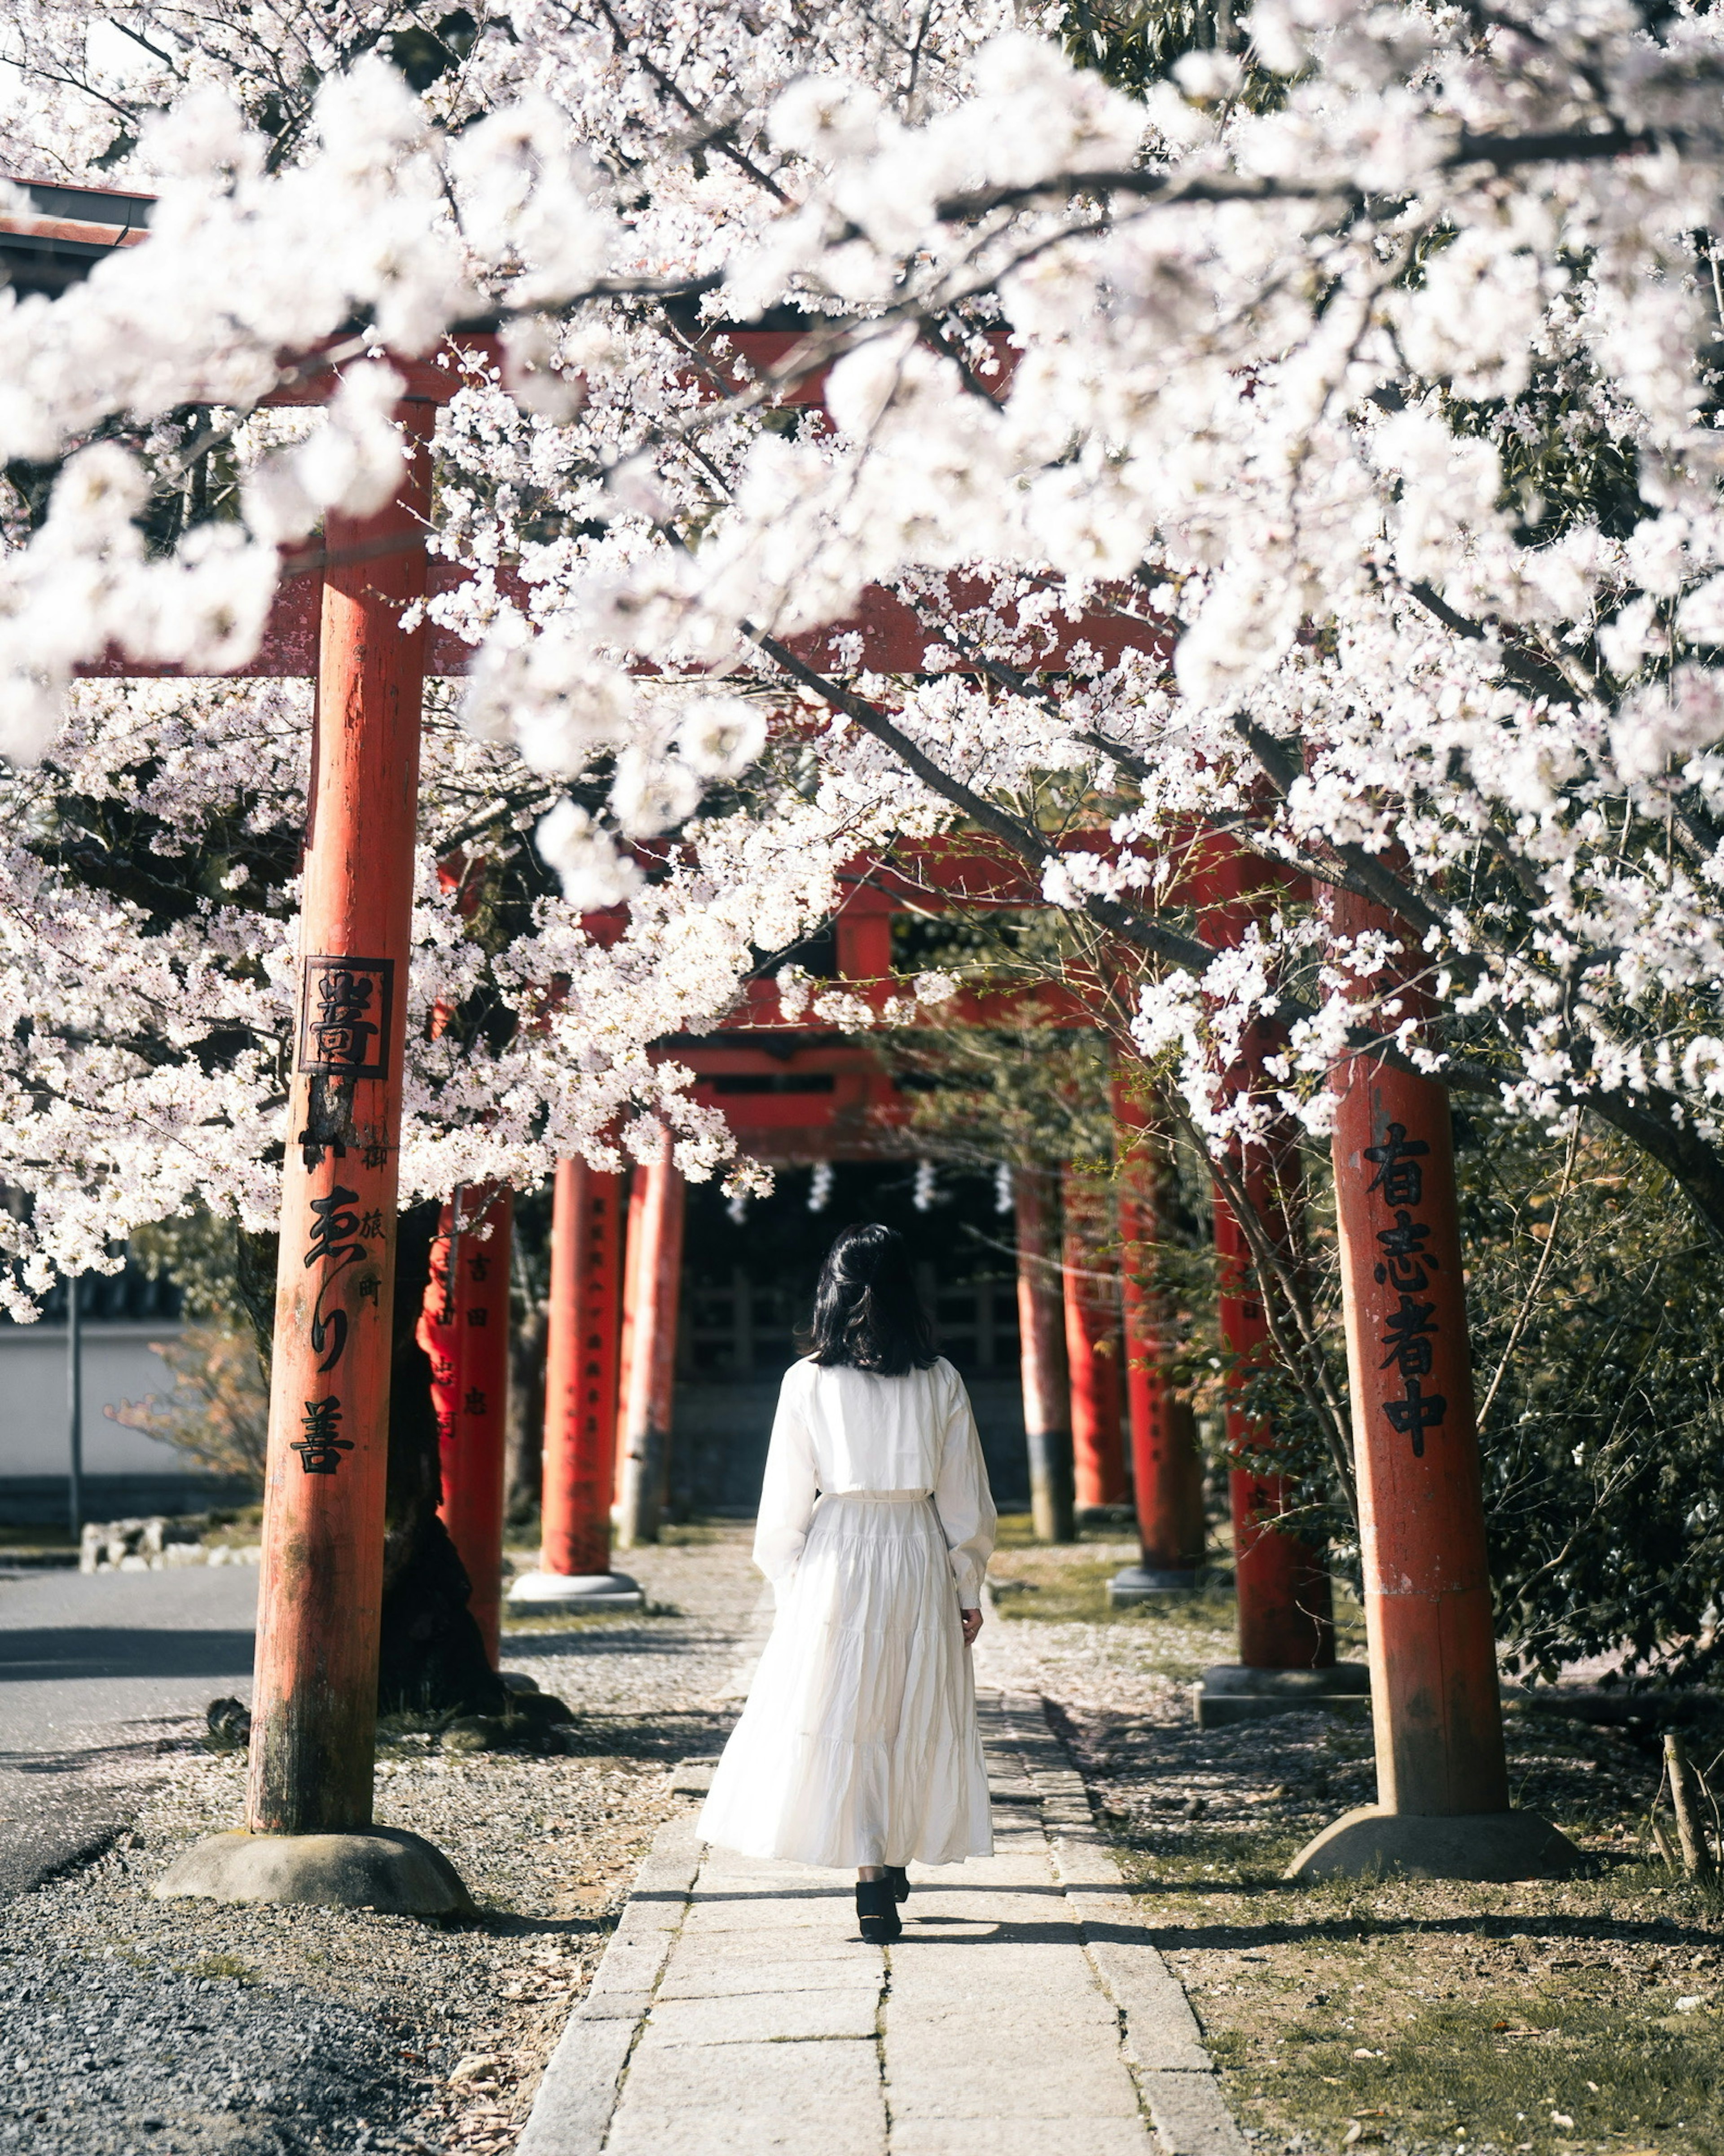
(1141, 1665)
(128, 2024)
(1435, 2020)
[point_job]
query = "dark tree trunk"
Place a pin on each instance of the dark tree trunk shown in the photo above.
(525, 1441)
(432, 1658)
(255, 1261)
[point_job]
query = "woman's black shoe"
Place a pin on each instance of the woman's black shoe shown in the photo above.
(876, 1912)
(898, 1879)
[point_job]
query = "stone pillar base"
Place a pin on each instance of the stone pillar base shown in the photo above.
(380, 1868)
(1139, 1583)
(577, 1594)
(1371, 1844)
(1230, 1692)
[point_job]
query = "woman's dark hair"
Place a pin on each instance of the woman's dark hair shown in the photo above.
(867, 1312)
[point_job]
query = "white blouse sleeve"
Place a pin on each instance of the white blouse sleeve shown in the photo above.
(963, 1499)
(788, 1493)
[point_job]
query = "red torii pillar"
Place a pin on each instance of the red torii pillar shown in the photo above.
(310, 1837)
(1042, 1359)
(1442, 1782)
(1287, 1624)
(1089, 1281)
(582, 1348)
(464, 1330)
(653, 1283)
(1167, 1465)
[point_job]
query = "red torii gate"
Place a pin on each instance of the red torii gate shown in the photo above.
(309, 1806)
(808, 1099)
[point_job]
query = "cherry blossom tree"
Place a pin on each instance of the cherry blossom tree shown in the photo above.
(1358, 366)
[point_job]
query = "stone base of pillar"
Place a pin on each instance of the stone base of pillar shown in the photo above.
(1504, 1846)
(577, 1594)
(380, 1868)
(1230, 1692)
(1137, 1583)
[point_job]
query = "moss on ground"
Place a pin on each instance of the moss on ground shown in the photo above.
(1536, 2017)
(1584, 2015)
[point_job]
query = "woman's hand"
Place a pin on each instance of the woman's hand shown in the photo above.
(972, 1619)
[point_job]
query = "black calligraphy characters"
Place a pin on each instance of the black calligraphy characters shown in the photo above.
(1406, 1266)
(322, 1446)
(335, 1245)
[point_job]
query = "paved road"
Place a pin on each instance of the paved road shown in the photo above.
(93, 1670)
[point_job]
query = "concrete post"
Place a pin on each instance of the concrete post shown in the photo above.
(1041, 1349)
(464, 1330)
(1166, 1466)
(1441, 1784)
(583, 1348)
(1089, 1283)
(75, 1404)
(314, 1710)
(655, 1282)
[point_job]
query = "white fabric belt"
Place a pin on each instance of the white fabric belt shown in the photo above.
(883, 1496)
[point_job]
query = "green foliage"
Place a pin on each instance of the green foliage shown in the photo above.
(1134, 43)
(1026, 1092)
(1561, 467)
(1594, 1290)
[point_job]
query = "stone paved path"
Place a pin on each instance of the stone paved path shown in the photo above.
(1023, 2012)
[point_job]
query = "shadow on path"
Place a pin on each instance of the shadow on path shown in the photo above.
(49, 1654)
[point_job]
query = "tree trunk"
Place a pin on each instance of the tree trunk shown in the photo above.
(432, 1658)
(524, 1459)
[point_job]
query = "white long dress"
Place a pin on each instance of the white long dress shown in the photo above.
(858, 1744)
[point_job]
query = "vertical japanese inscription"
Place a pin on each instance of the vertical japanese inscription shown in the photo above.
(346, 1009)
(1405, 1267)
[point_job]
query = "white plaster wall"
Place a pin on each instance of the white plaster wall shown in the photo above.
(118, 1366)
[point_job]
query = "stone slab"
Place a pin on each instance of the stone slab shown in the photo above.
(1136, 1584)
(1162, 2032)
(581, 1594)
(629, 2006)
(1230, 1693)
(825, 1922)
(1007, 2136)
(671, 1867)
(572, 2113)
(646, 2130)
(810, 2081)
(767, 2017)
(1191, 2118)
(1067, 2071)
(631, 1967)
(702, 1975)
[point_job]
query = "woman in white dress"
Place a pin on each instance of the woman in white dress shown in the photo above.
(858, 1744)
